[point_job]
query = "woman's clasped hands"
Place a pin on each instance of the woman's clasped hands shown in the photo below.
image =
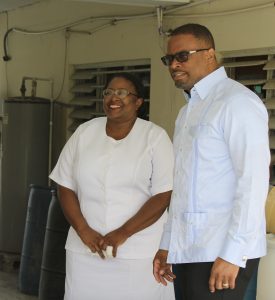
(104, 246)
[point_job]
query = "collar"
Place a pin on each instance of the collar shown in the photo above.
(203, 87)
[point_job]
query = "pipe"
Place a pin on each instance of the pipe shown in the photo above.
(113, 20)
(34, 85)
(6, 57)
(50, 133)
(23, 88)
(160, 22)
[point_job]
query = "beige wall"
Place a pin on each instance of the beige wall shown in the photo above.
(43, 55)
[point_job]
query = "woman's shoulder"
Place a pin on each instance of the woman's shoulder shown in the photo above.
(91, 125)
(151, 130)
(149, 125)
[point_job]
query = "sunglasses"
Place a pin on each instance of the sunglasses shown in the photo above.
(120, 93)
(181, 56)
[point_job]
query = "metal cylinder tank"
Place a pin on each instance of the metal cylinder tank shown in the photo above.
(24, 132)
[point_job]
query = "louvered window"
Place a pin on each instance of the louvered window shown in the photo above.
(255, 69)
(88, 81)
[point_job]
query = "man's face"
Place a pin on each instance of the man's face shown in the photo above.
(186, 74)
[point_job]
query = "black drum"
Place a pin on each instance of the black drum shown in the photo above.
(52, 278)
(31, 255)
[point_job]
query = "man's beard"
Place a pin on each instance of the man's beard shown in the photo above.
(181, 85)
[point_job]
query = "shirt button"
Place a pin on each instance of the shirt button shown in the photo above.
(244, 258)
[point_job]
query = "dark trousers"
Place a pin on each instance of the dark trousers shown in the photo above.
(192, 282)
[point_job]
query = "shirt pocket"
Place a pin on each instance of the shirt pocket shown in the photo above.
(212, 227)
(202, 131)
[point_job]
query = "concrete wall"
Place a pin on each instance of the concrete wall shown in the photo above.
(43, 55)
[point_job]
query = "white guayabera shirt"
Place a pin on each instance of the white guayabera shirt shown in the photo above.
(114, 178)
(221, 175)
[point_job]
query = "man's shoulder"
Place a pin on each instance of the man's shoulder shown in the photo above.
(230, 90)
(236, 97)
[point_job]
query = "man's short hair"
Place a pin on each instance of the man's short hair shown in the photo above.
(198, 31)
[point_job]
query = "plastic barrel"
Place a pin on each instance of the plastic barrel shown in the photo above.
(52, 278)
(31, 255)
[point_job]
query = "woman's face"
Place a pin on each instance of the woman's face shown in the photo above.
(118, 106)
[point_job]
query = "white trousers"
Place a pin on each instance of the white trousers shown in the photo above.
(89, 277)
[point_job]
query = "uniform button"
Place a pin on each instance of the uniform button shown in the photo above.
(244, 258)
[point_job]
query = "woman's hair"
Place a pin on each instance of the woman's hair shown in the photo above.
(138, 85)
(198, 31)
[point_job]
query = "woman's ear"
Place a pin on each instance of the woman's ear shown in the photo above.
(139, 102)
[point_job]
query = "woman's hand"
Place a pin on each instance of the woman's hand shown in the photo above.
(115, 238)
(92, 239)
(71, 209)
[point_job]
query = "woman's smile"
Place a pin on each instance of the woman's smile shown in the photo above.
(114, 106)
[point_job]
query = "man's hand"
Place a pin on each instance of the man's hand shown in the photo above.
(223, 275)
(161, 269)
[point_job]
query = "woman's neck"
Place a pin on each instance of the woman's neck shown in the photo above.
(119, 130)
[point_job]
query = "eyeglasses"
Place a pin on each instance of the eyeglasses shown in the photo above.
(181, 56)
(120, 93)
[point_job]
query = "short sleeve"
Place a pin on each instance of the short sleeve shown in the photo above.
(64, 171)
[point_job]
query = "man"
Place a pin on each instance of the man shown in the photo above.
(215, 233)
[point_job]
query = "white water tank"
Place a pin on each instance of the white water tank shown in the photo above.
(266, 272)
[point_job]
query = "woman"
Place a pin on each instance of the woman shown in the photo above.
(115, 180)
